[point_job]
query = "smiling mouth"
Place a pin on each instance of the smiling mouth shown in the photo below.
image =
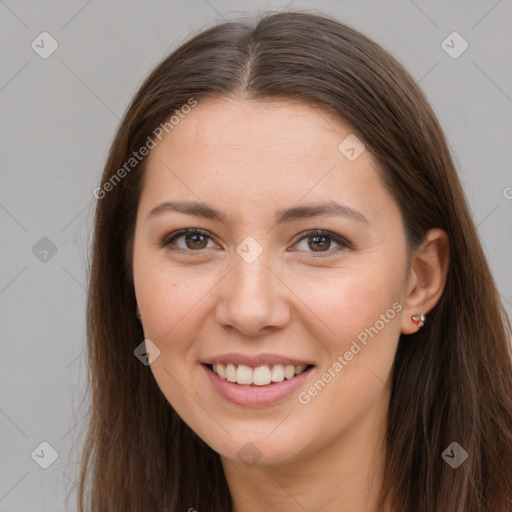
(258, 376)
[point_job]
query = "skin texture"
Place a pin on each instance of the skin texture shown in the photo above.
(249, 159)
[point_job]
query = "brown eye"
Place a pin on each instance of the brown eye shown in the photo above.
(319, 241)
(193, 240)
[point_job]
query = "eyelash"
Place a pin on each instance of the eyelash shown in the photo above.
(342, 242)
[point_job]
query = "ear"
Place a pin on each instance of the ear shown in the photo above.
(426, 279)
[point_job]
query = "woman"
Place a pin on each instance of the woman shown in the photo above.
(289, 306)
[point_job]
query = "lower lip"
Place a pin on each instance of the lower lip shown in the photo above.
(256, 396)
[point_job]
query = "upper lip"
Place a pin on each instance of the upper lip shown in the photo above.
(257, 360)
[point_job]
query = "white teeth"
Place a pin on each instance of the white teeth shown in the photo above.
(244, 374)
(259, 376)
(231, 372)
(289, 371)
(220, 370)
(300, 369)
(277, 373)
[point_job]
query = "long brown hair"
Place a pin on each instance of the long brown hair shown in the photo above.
(451, 382)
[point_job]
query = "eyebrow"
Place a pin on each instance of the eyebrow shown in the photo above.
(285, 215)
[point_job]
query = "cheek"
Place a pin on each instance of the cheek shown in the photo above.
(348, 300)
(361, 306)
(363, 310)
(168, 296)
(170, 304)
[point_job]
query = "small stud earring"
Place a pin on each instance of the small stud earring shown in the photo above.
(419, 318)
(137, 313)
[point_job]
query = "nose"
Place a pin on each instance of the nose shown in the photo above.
(253, 298)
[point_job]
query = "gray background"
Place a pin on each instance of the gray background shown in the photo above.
(58, 118)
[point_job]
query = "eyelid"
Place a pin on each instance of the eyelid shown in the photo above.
(340, 240)
(185, 231)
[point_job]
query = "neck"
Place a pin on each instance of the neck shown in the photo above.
(343, 475)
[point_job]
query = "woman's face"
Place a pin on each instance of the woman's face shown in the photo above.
(257, 290)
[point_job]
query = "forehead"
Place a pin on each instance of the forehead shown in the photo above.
(274, 122)
(226, 130)
(241, 154)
